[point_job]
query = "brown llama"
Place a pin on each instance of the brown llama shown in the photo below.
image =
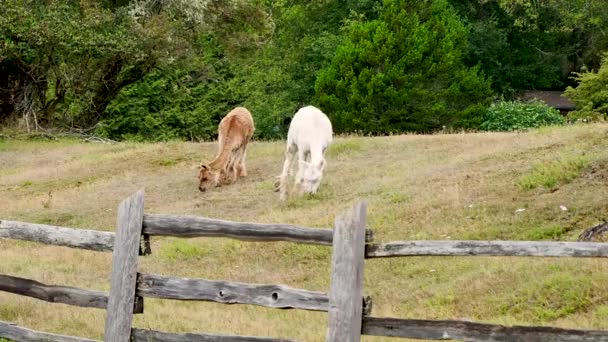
(234, 133)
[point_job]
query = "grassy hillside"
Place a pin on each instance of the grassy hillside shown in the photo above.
(457, 186)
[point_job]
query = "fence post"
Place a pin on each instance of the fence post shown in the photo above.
(121, 301)
(346, 288)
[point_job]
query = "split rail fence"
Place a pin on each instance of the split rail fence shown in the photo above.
(349, 312)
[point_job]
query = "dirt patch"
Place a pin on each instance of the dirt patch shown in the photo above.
(598, 171)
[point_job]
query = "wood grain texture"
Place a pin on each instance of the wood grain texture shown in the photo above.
(54, 294)
(16, 333)
(141, 335)
(273, 296)
(194, 226)
(474, 332)
(124, 269)
(346, 288)
(59, 236)
(488, 248)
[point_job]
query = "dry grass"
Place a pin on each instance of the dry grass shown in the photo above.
(453, 186)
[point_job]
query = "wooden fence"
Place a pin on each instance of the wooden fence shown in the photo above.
(349, 312)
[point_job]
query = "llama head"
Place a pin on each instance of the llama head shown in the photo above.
(207, 177)
(311, 176)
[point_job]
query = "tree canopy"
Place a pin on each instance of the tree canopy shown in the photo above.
(157, 70)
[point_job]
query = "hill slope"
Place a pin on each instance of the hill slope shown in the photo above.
(458, 186)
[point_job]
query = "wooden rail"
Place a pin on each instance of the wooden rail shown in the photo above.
(488, 248)
(58, 236)
(17, 333)
(54, 294)
(141, 335)
(194, 226)
(21, 334)
(272, 296)
(474, 332)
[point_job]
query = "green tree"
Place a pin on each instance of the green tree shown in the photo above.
(281, 77)
(66, 57)
(64, 62)
(521, 44)
(591, 94)
(403, 72)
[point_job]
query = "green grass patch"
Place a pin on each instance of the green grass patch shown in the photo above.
(395, 197)
(168, 161)
(602, 312)
(550, 174)
(341, 147)
(553, 232)
(556, 296)
(306, 254)
(182, 250)
(59, 218)
(9, 312)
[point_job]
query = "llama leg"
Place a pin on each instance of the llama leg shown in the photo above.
(315, 186)
(300, 174)
(242, 169)
(230, 170)
(284, 177)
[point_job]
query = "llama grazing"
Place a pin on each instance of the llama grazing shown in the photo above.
(234, 132)
(309, 135)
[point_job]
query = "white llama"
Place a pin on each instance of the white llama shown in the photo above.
(309, 135)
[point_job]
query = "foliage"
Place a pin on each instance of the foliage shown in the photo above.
(403, 72)
(175, 101)
(62, 54)
(272, 80)
(64, 62)
(524, 44)
(150, 69)
(591, 95)
(514, 115)
(282, 77)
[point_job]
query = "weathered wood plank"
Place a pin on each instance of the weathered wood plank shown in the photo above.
(474, 332)
(141, 335)
(54, 294)
(194, 226)
(16, 333)
(346, 288)
(124, 269)
(273, 296)
(488, 248)
(59, 236)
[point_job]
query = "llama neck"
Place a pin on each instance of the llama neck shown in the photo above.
(221, 159)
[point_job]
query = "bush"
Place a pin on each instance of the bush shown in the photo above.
(403, 72)
(176, 102)
(591, 95)
(514, 115)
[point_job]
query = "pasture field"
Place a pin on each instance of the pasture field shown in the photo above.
(445, 186)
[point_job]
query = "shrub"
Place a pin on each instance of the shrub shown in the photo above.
(591, 95)
(403, 72)
(514, 115)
